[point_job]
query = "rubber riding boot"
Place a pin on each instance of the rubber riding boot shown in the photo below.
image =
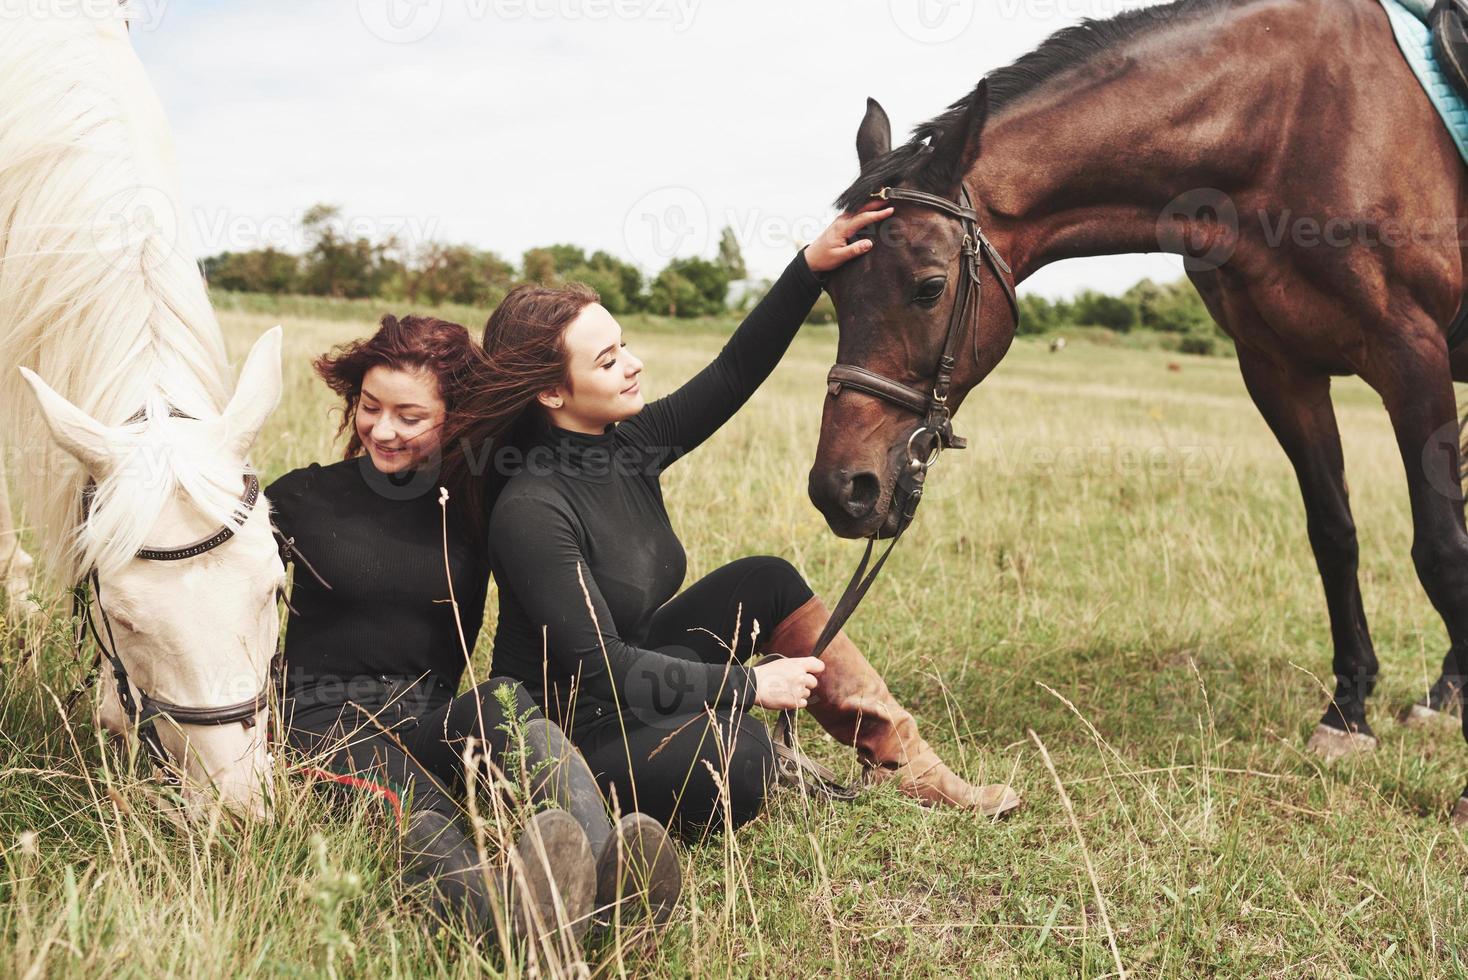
(851, 701)
(550, 875)
(638, 874)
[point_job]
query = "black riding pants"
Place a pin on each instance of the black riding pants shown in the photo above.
(665, 765)
(401, 737)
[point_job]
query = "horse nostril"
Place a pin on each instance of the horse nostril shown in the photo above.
(861, 494)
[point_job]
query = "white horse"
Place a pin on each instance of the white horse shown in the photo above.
(101, 296)
(15, 564)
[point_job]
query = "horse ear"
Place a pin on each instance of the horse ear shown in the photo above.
(958, 146)
(256, 395)
(874, 137)
(86, 439)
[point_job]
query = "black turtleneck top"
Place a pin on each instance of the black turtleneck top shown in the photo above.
(583, 551)
(378, 541)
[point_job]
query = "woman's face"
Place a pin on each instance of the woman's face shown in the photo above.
(604, 374)
(399, 417)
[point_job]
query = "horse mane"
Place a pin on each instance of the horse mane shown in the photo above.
(1065, 50)
(100, 294)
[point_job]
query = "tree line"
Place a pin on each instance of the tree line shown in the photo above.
(338, 265)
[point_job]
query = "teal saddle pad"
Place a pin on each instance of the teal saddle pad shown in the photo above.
(1414, 37)
(1409, 23)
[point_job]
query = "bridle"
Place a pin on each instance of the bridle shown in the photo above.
(932, 406)
(142, 710)
(936, 425)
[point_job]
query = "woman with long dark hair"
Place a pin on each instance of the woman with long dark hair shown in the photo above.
(375, 651)
(654, 688)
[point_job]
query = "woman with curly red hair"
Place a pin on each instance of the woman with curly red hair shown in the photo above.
(375, 652)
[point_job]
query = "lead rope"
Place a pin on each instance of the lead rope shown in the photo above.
(796, 768)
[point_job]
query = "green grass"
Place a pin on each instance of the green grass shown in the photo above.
(1118, 563)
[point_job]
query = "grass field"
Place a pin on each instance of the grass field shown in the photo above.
(1118, 563)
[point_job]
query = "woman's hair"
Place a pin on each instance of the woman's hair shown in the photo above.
(445, 350)
(523, 354)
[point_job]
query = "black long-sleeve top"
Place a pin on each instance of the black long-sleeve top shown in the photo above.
(378, 541)
(583, 551)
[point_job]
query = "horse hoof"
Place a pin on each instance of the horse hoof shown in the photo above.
(1422, 716)
(1331, 744)
(1459, 818)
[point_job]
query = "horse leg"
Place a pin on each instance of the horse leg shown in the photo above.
(1298, 408)
(15, 564)
(1414, 381)
(1446, 694)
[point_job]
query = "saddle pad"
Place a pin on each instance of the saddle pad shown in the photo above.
(1409, 23)
(1415, 39)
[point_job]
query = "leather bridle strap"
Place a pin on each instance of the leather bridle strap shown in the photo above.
(937, 425)
(868, 382)
(142, 710)
(247, 504)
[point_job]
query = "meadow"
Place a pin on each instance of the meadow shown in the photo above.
(1116, 570)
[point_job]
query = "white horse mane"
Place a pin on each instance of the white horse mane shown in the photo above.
(102, 295)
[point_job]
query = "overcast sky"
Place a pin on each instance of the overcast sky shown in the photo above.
(637, 126)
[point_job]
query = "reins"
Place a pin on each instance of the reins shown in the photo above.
(936, 425)
(141, 711)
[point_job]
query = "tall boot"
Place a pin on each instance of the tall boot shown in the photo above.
(637, 870)
(851, 701)
(550, 875)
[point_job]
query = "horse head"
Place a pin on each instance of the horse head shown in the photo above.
(931, 289)
(188, 611)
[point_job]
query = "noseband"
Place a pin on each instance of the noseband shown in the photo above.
(141, 711)
(936, 425)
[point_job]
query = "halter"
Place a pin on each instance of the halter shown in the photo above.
(142, 710)
(937, 425)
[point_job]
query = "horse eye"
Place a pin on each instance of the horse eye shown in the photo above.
(930, 290)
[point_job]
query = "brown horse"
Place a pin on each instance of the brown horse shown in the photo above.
(1284, 148)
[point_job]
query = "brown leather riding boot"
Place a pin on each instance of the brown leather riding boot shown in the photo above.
(851, 701)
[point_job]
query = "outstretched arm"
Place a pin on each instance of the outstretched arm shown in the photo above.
(678, 423)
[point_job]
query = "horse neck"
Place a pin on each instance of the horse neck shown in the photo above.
(1087, 163)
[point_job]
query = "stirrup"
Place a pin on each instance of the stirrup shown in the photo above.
(799, 771)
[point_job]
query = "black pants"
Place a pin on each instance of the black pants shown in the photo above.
(402, 738)
(662, 766)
